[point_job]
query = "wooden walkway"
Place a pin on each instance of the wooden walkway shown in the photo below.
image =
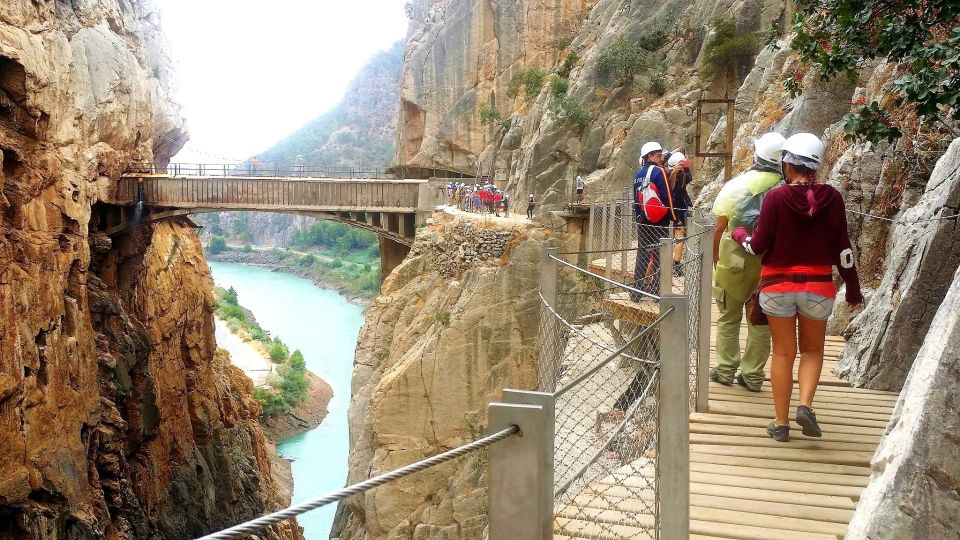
(743, 484)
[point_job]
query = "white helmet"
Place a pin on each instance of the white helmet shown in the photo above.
(805, 149)
(767, 149)
(649, 148)
(675, 159)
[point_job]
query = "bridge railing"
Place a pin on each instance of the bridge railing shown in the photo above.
(262, 170)
(267, 193)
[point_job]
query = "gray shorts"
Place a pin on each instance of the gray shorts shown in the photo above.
(788, 304)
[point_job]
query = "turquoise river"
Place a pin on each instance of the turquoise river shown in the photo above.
(324, 326)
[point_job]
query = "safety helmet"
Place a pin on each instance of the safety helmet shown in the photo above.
(805, 149)
(649, 148)
(767, 149)
(675, 159)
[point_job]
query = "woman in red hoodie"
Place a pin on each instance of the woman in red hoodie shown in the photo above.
(800, 235)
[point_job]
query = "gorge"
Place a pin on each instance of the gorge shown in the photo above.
(118, 419)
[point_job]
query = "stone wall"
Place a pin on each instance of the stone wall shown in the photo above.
(439, 343)
(913, 492)
(116, 418)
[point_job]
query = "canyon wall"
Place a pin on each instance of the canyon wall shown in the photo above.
(461, 57)
(117, 418)
(465, 105)
(454, 324)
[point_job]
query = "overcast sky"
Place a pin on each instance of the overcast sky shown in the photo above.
(250, 72)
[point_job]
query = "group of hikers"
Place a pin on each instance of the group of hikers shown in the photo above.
(479, 198)
(778, 234)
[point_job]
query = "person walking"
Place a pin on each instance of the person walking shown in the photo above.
(254, 163)
(653, 211)
(580, 187)
(531, 204)
(737, 272)
(678, 167)
(801, 233)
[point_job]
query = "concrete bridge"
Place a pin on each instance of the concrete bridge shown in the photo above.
(389, 207)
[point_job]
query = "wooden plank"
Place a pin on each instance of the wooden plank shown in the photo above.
(818, 404)
(830, 394)
(749, 470)
(742, 517)
(840, 457)
(759, 442)
(759, 431)
(743, 493)
(642, 504)
(778, 464)
(769, 484)
(852, 418)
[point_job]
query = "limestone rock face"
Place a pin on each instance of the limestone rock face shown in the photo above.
(435, 349)
(916, 471)
(117, 420)
(924, 255)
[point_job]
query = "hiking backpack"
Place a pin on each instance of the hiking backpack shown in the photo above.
(648, 198)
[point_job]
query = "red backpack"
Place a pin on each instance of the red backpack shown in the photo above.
(648, 197)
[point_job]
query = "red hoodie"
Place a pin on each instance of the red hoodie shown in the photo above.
(802, 229)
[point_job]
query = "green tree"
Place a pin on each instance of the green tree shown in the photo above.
(216, 245)
(624, 58)
(278, 351)
(729, 53)
(230, 296)
(838, 36)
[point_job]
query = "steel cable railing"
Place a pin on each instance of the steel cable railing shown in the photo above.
(244, 530)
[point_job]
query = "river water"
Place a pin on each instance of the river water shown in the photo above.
(324, 326)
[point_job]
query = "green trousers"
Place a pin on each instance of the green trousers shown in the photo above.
(755, 354)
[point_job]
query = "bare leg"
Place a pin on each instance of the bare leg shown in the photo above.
(812, 335)
(783, 331)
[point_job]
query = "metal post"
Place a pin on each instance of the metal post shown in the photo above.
(728, 160)
(611, 235)
(548, 276)
(604, 242)
(666, 266)
(706, 305)
(591, 228)
(673, 430)
(517, 498)
(548, 403)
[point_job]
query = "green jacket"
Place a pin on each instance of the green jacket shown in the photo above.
(738, 272)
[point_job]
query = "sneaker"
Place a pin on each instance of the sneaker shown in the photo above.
(740, 380)
(715, 377)
(808, 421)
(677, 269)
(779, 433)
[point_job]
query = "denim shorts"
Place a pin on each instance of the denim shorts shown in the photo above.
(788, 304)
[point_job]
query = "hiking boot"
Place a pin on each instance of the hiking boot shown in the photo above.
(779, 433)
(808, 421)
(742, 382)
(715, 377)
(677, 269)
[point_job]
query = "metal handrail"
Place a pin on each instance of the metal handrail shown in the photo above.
(586, 374)
(608, 280)
(580, 333)
(244, 530)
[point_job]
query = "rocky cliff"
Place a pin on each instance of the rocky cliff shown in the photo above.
(460, 104)
(453, 325)
(117, 419)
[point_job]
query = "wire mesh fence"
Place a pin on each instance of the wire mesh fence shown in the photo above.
(600, 354)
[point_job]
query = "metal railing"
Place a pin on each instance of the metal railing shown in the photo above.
(615, 357)
(520, 441)
(266, 170)
(620, 248)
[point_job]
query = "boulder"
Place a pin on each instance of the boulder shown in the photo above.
(914, 492)
(924, 253)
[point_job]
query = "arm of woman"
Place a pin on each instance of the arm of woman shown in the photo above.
(844, 260)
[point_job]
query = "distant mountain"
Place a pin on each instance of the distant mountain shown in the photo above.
(361, 130)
